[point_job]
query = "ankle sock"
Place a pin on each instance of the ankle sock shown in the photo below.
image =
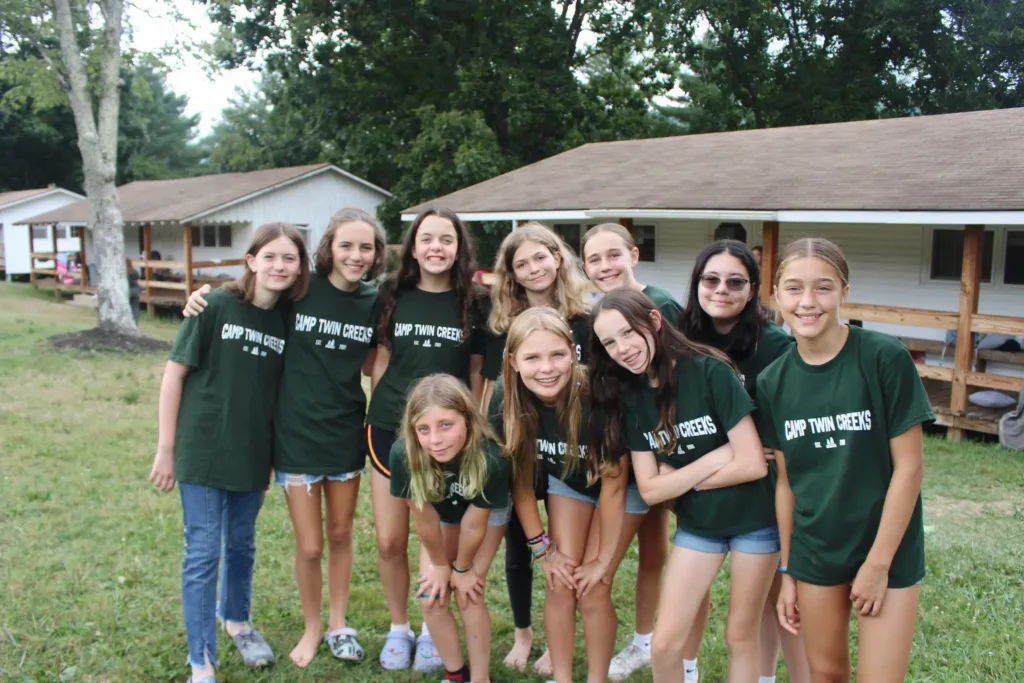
(426, 631)
(460, 676)
(766, 679)
(689, 665)
(642, 640)
(402, 628)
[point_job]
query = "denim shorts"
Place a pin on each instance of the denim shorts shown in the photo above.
(635, 504)
(286, 480)
(761, 542)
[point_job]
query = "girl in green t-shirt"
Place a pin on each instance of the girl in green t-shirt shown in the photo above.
(609, 256)
(450, 471)
(723, 311)
(684, 401)
(544, 403)
(844, 410)
(216, 407)
(431, 320)
(318, 420)
(534, 267)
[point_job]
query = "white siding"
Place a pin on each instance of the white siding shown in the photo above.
(16, 239)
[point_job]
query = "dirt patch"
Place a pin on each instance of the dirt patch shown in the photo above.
(102, 340)
(941, 506)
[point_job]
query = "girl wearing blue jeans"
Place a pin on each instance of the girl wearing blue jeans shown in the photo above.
(216, 404)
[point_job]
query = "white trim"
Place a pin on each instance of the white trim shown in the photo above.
(514, 216)
(41, 195)
(278, 186)
(683, 214)
(958, 218)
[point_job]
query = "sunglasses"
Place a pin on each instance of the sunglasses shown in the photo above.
(733, 284)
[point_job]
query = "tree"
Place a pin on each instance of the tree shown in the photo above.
(91, 81)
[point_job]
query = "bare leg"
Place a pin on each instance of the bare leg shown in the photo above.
(825, 626)
(391, 520)
(476, 620)
(771, 636)
(304, 508)
(341, 509)
(438, 615)
(884, 641)
(653, 546)
(748, 590)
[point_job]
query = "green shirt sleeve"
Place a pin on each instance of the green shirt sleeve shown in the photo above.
(731, 402)
(765, 425)
(906, 401)
(494, 354)
(495, 411)
(192, 339)
(499, 476)
(399, 472)
(478, 332)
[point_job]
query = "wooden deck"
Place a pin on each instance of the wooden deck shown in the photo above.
(975, 418)
(73, 288)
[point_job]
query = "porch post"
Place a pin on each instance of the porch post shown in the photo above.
(627, 223)
(188, 260)
(769, 259)
(147, 273)
(31, 260)
(56, 276)
(83, 263)
(970, 287)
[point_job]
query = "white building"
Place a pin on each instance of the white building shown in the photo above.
(198, 228)
(18, 241)
(894, 194)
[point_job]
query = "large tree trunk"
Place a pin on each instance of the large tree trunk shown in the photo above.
(98, 144)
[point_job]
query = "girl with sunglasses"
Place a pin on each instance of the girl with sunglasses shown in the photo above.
(723, 311)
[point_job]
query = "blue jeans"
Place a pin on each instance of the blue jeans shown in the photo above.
(218, 524)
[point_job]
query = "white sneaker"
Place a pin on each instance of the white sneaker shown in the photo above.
(628, 662)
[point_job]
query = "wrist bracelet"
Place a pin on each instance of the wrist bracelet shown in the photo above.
(536, 539)
(455, 568)
(783, 569)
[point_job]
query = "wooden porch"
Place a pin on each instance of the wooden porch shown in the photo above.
(948, 387)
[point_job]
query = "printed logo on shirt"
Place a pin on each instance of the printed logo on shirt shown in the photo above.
(699, 426)
(548, 450)
(429, 336)
(254, 339)
(346, 331)
(857, 421)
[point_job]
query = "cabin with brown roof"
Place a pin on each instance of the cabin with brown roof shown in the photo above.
(928, 210)
(184, 232)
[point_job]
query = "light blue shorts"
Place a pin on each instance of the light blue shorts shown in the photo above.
(287, 480)
(761, 542)
(635, 504)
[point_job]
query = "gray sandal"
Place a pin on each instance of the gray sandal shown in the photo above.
(343, 645)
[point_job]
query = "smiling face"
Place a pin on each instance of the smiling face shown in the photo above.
(631, 348)
(441, 433)
(809, 295)
(535, 267)
(276, 265)
(724, 289)
(544, 362)
(435, 245)
(352, 251)
(609, 261)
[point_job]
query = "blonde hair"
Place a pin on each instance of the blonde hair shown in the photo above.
(426, 478)
(509, 297)
(519, 414)
(615, 229)
(815, 247)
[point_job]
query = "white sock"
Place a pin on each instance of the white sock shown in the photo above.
(426, 631)
(689, 665)
(642, 640)
(401, 628)
(766, 679)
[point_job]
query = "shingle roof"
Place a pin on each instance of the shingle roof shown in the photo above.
(964, 162)
(18, 195)
(145, 201)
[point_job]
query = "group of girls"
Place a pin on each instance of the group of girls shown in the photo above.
(483, 406)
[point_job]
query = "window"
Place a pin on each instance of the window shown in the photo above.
(209, 235)
(570, 232)
(40, 232)
(948, 254)
(224, 235)
(1013, 258)
(197, 236)
(643, 235)
(731, 231)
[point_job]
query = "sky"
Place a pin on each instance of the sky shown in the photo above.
(153, 28)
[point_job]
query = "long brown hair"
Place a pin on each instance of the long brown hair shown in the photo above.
(509, 297)
(426, 478)
(244, 288)
(520, 416)
(609, 380)
(407, 277)
(323, 259)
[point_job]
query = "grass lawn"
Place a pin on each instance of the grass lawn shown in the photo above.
(90, 553)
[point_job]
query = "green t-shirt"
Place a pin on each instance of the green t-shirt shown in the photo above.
(772, 342)
(426, 338)
(709, 402)
(235, 353)
(671, 309)
(551, 444)
(833, 422)
(453, 507)
(494, 346)
(319, 420)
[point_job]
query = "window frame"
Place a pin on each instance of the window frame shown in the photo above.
(1000, 250)
(928, 252)
(655, 230)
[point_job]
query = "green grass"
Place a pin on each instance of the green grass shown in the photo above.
(90, 554)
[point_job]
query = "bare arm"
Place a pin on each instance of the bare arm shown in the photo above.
(476, 381)
(904, 488)
(380, 363)
(785, 503)
(485, 402)
(369, 362)
(171, 387)
(656, 488)
(472, 530)
(433, 581)
(610, 512)
(748, 464)
(525, 502)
